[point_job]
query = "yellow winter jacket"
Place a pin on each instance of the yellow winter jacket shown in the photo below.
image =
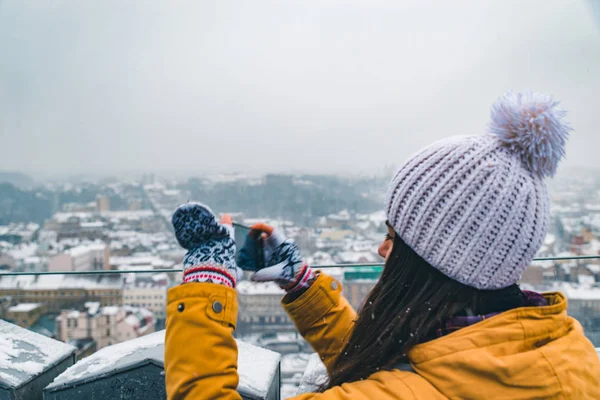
(525, 353)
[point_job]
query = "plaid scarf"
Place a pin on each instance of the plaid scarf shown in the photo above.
(531, 299)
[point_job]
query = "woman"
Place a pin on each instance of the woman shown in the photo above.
(446, 320)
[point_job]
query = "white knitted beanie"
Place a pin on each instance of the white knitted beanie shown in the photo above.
(476, 208)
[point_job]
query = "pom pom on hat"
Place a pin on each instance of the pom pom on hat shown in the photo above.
(531, 125)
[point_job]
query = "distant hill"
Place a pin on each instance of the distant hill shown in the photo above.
(17, 179)
(38, 204)
(301, 199)
(17, 205)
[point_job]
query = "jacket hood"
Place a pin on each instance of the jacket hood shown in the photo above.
(529, 352)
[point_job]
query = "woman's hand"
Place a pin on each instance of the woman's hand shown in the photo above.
(275, 258)
(210, 245)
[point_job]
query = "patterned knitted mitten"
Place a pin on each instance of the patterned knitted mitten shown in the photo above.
(283, 262)
(210, 245)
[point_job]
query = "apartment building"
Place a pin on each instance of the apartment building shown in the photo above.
(151, 297)
(105, 325)
(58, 292)
(25, 314)
(88, 257)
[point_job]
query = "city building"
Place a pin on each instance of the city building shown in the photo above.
(356, 291)
(105, 325)
(102, 204)
(140, 261)
(356, 257)
(150, 296)
(96, 225)
(88, 257)
(22, 257)
(61, 291)
(358, 283)
(260, 309)
(25, 314)
(135, 205)
(340, 220)
(18, 233)
(67, 224)
(583, 305)
(45, 325)
(7, 262)
(540, 273)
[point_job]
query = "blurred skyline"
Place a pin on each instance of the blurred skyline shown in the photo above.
(334, 87)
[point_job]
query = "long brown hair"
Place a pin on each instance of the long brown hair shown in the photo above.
(407, 305)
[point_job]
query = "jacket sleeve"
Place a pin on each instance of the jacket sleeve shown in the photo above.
(200, 351)
(323, 317)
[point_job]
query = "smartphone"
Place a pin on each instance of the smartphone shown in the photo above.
(241, 234)
(252, 258)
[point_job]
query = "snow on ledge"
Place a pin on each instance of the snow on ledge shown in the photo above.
(25, 354)
(105, 358)
(315, 376)
(257, 367)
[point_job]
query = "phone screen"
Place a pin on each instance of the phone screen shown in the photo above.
(241, 233)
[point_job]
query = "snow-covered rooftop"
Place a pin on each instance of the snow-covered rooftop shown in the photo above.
(60, 281)
(93, 225)
(132, 320)
(255, 288)
(23, 251)
(378, 218)
(161, 277)
(594, 268)
(62, 217)
(356, 257)
(110, 310)
(92, 307)
(146, 259)
(140, 267)
(19, 229)
(545, 264)
(577, 292)
(363, 225)
(24, 307)
(550, 239)
(128, 215)
(85, 248)
(171, 192)
(343, 215)
(586, 280)
(35, 260)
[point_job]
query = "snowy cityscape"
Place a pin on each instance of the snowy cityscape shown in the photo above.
(122, 229)
(141, 140)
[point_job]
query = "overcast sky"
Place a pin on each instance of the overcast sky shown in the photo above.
(279, 86)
